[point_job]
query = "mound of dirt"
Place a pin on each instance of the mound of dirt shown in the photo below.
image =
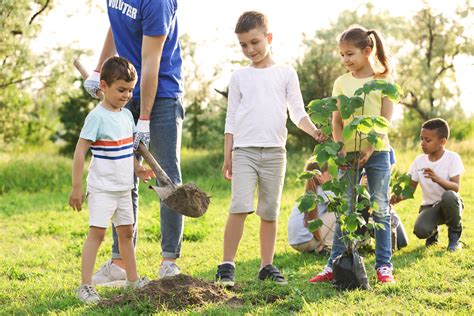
(188, 200)
(175, 293)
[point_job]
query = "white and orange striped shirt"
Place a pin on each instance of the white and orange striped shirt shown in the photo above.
(111, 133)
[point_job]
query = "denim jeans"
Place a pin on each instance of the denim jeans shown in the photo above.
(166, 123)
(378, 177)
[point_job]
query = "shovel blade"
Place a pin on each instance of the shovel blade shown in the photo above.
(163, 192)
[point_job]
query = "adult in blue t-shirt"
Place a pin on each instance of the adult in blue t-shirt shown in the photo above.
(146, 33)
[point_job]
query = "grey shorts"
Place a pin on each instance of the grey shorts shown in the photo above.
(262, 167)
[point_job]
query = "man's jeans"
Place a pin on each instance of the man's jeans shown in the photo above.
(378, 176)
(165, 132)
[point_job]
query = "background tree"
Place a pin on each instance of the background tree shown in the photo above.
(428, 71)
(205, 113)
(32, 87)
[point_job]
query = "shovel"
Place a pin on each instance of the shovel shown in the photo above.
(186, 199)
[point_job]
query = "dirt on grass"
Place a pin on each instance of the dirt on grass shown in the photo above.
(176, 293)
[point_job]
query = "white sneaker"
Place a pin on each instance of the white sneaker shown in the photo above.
(109, 274)
(138, 284)
(87, 294)
(168, 269)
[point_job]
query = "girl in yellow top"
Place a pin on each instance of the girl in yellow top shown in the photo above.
(356, 45)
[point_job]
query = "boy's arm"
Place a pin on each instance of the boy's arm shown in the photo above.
(307, 126)
(141, 172)
(227, 166)
(451, 184)
(76, 197)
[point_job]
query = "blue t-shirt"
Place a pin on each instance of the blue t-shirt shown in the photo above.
(130, 20)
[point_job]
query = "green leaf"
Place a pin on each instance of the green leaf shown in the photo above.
(381, 124)
(315, 224)
(327, 130)
(363, 128)
(379, 226)
(345, 106)
(306, 203)
(322, 157)
(375, 140)
(356, 102)
(374, 207)
(348, 132)
(359, 91)
(315, 105)
(392, 92)
(307, 175)
(380, 84)
(351, 222)
(333, 168)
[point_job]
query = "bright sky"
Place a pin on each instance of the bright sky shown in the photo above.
(210, 23)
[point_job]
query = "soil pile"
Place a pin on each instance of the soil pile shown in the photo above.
(175, 293)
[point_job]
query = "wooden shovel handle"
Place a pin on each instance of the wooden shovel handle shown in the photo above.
(84, 74)
(159, 172)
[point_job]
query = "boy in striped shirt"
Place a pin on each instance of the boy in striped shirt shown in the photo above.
(108, 132)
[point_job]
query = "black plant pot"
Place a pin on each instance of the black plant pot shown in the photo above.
(349, 272)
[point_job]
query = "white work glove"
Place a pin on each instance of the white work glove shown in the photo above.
(92, 84)
(142, 133)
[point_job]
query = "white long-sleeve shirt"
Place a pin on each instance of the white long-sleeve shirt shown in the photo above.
(259, 99)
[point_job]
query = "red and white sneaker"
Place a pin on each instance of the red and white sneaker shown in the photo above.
(325, 276)
(384, 275)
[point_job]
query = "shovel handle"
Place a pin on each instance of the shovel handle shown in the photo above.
(159, 172)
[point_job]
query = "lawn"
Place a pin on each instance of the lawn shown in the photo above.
(41, 240)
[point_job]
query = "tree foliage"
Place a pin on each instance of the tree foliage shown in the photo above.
(32, 86)
(205, 115)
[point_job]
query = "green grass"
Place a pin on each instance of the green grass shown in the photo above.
(41, 240)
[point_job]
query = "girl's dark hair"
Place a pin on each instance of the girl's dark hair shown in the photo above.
(361, 38)
(251, 20)
(312, 165)
(117, 68)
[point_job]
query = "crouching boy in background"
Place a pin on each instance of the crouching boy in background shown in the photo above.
(438, 171)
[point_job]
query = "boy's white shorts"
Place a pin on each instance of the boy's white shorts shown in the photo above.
(258, 167)
(107, 205)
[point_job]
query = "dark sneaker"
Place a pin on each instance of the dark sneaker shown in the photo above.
(225, 275)
(454, 243)
(271, 272)
(432, 240)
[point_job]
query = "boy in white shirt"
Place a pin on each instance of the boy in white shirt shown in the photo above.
(255, 136)
(108, 131)
(439, 173)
